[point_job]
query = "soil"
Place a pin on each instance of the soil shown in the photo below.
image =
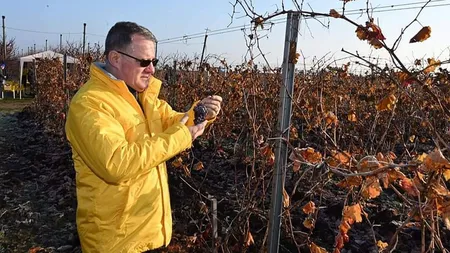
(37, 203)
(38, 200)
(8, 105)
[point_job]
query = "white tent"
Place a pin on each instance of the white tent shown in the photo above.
(42, 55)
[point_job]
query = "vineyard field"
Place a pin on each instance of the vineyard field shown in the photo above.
(368, 166)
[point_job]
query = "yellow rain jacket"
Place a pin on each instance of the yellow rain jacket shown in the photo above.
(119, 152)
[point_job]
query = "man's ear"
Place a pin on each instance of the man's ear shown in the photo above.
(113, 58)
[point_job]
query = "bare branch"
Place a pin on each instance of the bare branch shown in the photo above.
(397, 41)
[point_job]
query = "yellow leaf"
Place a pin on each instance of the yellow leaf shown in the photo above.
(334, 13)
(422, 35)
(421, 158)
(381, 245)
(309, 208)
(386, 103)
(316, 249)
(412, 138)
(286, 200)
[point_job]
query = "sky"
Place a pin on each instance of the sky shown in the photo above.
(35, 21)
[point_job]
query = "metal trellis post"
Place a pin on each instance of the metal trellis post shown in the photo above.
(284, 119)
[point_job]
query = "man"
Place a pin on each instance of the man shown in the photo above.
(2, 79)
(121, 134)
(2, 74)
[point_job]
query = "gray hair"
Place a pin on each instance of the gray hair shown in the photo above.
(119, 36)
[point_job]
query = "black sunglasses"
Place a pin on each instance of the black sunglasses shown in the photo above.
(143, 63)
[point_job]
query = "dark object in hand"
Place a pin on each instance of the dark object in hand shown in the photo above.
(200, 112)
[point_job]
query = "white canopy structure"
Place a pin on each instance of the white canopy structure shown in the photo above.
(42, 55)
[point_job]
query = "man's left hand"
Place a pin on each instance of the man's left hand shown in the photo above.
(213, 104)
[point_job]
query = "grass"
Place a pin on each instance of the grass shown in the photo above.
(14, 105)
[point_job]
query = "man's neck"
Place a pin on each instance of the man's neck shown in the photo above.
(109, 69)
(133, 91)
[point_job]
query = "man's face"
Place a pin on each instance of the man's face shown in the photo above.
(130, 70)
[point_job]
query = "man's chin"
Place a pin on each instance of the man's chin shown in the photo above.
(142, 88)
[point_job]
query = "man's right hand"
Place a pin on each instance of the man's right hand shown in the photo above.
(196, 130)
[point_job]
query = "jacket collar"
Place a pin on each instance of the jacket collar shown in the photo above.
(99, 72)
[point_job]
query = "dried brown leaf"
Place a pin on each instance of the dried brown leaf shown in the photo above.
(309, 208)
(309, 223)
(286, 199)
(353, 213)
(334, 13)
(177, 163)
(371, 188)
(422, 35)
(198, 166)
(436, 161)
(313, 248)
(386, 103)
(249, 241)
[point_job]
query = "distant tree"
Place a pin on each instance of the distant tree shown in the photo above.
(11, 49)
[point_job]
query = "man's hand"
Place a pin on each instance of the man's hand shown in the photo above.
(196, 130)
(213, 104)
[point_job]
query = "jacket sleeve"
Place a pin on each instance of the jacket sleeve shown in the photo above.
(100, 141)
(170, 116)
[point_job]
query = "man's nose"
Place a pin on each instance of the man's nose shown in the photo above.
(150, 69)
